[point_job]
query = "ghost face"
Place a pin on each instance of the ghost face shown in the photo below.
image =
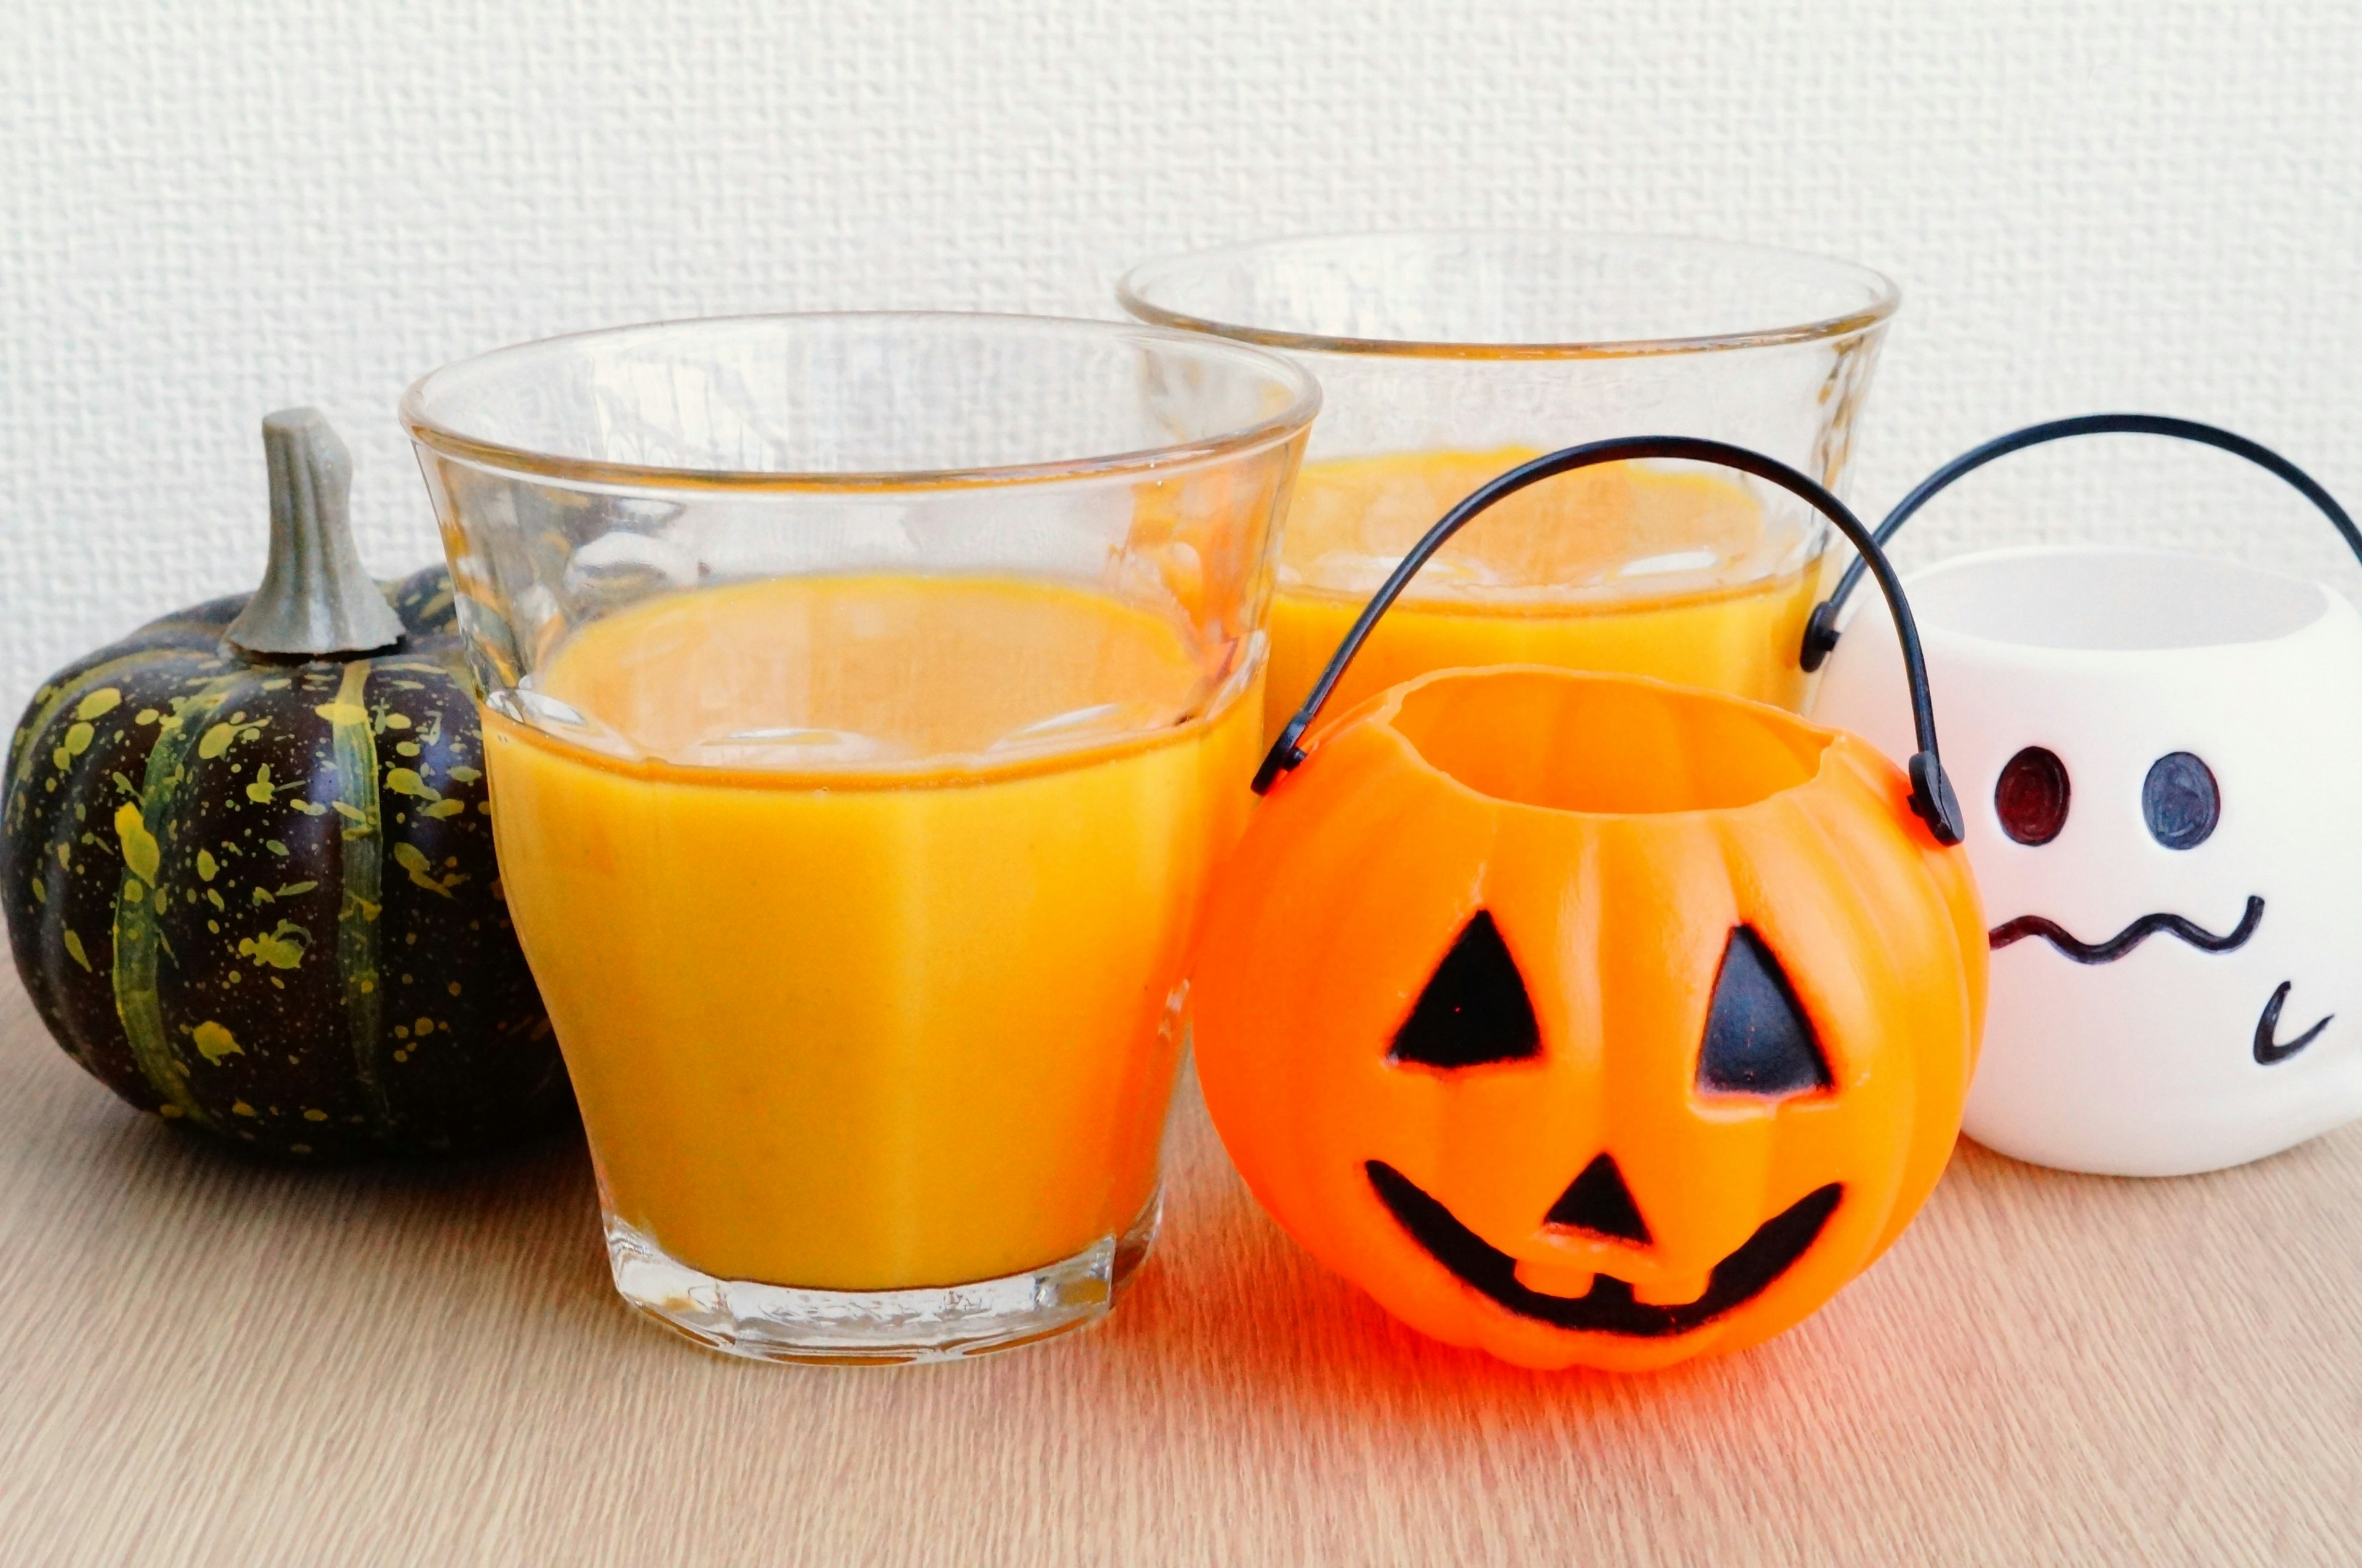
(2161, 761)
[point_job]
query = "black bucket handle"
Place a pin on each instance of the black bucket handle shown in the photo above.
(1932, 801)
(1821, 631)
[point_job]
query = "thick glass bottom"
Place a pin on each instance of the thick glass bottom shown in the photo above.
(779, 1322)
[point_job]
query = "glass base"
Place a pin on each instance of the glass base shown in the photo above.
(779, 1322)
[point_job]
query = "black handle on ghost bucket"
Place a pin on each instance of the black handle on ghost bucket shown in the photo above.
(1931, 792)
(1821, 631)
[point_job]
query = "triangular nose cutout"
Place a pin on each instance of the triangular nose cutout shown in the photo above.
(1598, 1201)
(1474, 1008)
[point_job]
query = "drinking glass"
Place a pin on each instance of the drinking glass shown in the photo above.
(866, 696)
(1446, 358)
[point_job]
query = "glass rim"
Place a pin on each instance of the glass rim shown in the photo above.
(1884, 298)
(1303, 405)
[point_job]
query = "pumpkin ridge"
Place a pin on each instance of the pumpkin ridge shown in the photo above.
(364, 894)
(137, 931)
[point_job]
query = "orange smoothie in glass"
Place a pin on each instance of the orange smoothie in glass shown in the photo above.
(1622, 568)
(863, 936)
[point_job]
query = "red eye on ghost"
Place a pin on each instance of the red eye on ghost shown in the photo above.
(2031, 797)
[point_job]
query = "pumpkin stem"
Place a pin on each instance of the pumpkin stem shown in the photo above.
(317, 599)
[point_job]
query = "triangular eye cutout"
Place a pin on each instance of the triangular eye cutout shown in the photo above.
(1758, 1040)
(1598, 1201)
(1475, 1009)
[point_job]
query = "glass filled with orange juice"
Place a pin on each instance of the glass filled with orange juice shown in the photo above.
(867, 697)
(1446, 358)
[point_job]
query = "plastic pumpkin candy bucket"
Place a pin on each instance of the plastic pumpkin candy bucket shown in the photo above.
(1587, 1019)
(2162, 760)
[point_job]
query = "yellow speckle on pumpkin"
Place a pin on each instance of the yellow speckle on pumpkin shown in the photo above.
(349, 812)
(260, 790)
(102, 700)
(442, 809)
(405, 749)
(423, 1026)
(411, 858)
(282, 684)
(402, 1031)
(400, 1056)
(207, 867)
(307, 808)
(214, 1041)
(275, 846)
(74, 952)
(281, 948)
(212, 897)
(78, 739)
(146, 716)
(139, 851)
(41, 894)
(59, 757)
(168, 1112)
(406, 781)
(466, 775)
(316, 1116)
(135, 891)
(240, 1107)
(396, 722)
(216, 740)
(343, 713)
(63, 851)
(367, 986)
(485, 807)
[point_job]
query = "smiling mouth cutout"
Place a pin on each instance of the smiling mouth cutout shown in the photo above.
(1608, 1307)
(2131, 936)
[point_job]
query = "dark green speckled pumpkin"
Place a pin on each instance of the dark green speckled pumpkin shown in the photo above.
(255, 892)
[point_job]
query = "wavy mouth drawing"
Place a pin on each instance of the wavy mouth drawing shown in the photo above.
(2131, 936)
(1608, 1307)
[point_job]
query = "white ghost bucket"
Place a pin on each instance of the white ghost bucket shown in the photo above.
(2159, 757)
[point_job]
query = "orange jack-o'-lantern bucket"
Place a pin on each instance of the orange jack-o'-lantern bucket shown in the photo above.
(1587, 1019)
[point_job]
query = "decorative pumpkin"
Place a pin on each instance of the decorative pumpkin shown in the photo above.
(1588, 1018)
(247, 858)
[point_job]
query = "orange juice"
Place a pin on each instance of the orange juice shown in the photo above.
(1621, 568)
(863, 945)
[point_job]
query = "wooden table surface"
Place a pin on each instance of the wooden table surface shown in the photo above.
(209, 1361)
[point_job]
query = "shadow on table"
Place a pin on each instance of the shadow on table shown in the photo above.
(111, 1190)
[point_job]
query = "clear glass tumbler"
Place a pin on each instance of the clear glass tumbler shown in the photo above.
(867, 697)
(1446, 358)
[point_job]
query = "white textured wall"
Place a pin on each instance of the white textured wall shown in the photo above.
(208, 210)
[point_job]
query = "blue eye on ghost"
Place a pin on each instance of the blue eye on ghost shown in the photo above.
(2180, 800)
